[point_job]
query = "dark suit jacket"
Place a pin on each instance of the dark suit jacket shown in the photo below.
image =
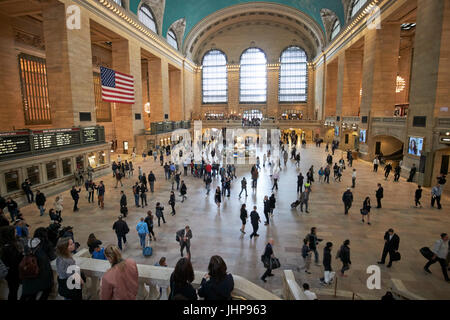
(393, 244)
(268, 251)
(181, 234)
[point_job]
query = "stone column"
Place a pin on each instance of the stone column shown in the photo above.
(233, 89)
(273, 107)
(429, 73)
(340, 84)
(352, 82)
(175, 91)
(156, 91)
(165, 89)
(331, 88)
(69, 67)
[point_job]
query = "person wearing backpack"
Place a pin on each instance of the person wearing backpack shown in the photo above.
(35, 269)
(64, 263)
(11, 256)
(149, 221)
(344, 255)
(121, 229)
(142, 230)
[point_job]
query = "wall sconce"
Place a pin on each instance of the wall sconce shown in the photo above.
(147, 108)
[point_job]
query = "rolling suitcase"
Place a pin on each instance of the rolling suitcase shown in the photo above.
(147, 251)
(427, 253)
(295, 204)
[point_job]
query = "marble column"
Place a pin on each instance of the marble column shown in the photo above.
(175, 90)
(156, 91)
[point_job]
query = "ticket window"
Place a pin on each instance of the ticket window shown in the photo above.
(92, 159)
(51, 170)
(12, 181)
(33, 175)
(67, 166)
(79, 161)
(101, 157)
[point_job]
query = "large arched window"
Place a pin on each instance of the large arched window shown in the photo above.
(119, 2)
(356, 6)
(172, 39)
(253, 76)
(293, 75)
(145, 16)
(214, 77)
(336, 28)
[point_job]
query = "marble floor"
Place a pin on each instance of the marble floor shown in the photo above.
(217, 231)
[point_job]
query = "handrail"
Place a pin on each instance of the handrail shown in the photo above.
(399, 290)
(291, 289)
(155, 275)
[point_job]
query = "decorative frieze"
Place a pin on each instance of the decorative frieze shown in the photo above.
(29, 39)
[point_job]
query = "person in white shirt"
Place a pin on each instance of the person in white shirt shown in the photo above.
(440, 250)
(376, 162)
(309, 294)
(353, 178)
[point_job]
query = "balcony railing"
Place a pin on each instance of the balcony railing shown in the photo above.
(390, 120)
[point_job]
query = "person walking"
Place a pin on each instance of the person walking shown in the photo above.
(268, 255)
(121, 229)
(136, 192)
(142, 230)
(306, 255)
(208, 182)
(328, 273)
(412, 173)
(149, 221)
(436, 193)
(255, 175)
(75, 196)
(90, 190)
(304, 198)
(266, 210)
(440, 250)
(12, 208)
(417, 196)
(276, 176)
(184, 237)
(365, 211)
(101, 195)
(347, 198)
(397, 171)
(272, 202)
(119, 176)
(313, 242)
(379, 195)
(123, 204)
(40, 202)
(387, 170)
(391, 245)
(121, 282)
(172, 202)
(160, 213)
(300, 179)
(218, 196)
(26, 187)
(243, 187)
(376, 163)
(344, 255)
(354, 178)
(143, 195)
(255, 220)
(183, 191)
(151, 181)
(244, 217)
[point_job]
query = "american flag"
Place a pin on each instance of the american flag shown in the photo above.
(117, 87)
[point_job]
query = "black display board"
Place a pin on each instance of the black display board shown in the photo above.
(55, 138)
(90, 135)
(14, 143)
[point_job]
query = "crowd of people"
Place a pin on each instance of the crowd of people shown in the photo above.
(19, 250)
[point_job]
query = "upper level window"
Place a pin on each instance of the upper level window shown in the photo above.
(119, 2)
(293, 75)
(336, 28)
(145, 16)
(356, 6)
(214, 77)
(172, 39)
(253, 76)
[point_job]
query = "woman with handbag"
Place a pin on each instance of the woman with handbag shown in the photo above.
(365, 211)
(66, 268)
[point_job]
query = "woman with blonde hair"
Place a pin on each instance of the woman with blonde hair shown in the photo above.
(66, 268)
(58, 204)
(121, 282)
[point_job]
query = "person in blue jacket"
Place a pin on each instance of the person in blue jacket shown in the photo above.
(142, 230)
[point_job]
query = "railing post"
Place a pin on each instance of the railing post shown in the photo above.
(164, 293)
(142, 291)
(335, 286)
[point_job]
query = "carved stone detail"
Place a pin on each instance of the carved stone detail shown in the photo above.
(347, 4)
(29, 39)
(178, 27)
(157, 7)
(328, 18)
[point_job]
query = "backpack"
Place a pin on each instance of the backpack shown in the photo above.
(3, 270)
(29, 267)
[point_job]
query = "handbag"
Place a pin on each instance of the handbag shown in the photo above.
(274, 263)
(427, 253)
(396, 256)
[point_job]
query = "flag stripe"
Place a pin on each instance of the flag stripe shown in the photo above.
(117, 94)
(118, 89)
(118, 100)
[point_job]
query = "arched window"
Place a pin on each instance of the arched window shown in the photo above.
(172, 39)
(214, 77)
(336, 28)
(119, 2)
(145, 16)
(293, 75)
(356, 6)
(253, 76)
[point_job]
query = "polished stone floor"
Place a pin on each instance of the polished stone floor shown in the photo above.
(217, 231)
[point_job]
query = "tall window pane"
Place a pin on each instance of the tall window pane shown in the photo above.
(336, 28)
(293, 75)
(146, 17)
(172, 39)
(33, 79)
(253, 76)
(214, 77)
(357, 5)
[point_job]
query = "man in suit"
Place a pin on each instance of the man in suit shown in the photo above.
(391, 244)
(255, 220)
(268, 254)
(75, 196)
(184, 237)
(379, 195)
(347, 198)
(123, 203)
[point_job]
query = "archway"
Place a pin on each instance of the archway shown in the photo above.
(388, 147)
(441, 165)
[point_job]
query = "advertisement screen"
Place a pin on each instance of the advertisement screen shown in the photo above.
(415, 145)
(336, 131)
(362, 136)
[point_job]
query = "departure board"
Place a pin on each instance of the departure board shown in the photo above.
(14, 142)
(54, 138)
(90, 135)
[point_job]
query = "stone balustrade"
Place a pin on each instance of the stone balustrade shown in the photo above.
(151, 278)
(400, 292)
(390, 120)
(291, 289)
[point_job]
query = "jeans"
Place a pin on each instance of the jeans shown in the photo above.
(143, 199)
(345, 267)
(41, 210)
(142, 237)
(152, 186)
(119, 240)
(316, 255)
(136, 199)
(75, 203)
(30, 197)
(159, 218)
(347, 206)
(187, 246)
(242, 189)
(13, 214)
(91, 197)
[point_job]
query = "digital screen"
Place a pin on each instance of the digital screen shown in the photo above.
(14, 142)
(415, 145)
(362, 136)
(46, 139)
(336, 131)
(90, 135)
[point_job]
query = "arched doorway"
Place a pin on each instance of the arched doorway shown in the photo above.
(388, 147)
(441, 165)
